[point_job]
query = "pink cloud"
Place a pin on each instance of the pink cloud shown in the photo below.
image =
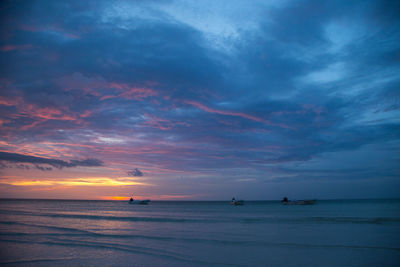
(3, 121)
(138, 93)
(103, 89)
(228, 113)
(42, 114)
(236, 114)
(107, 97)
(51, 29)
(159, 123)
(8, 48)
(90, 85)
(10, 101)
(130, 92)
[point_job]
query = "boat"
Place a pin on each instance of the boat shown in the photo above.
(237, 202)
(285, 201)
(140, 202)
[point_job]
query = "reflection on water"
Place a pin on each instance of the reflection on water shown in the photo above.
(332, 233)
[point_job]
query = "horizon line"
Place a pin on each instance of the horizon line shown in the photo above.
(194, 200)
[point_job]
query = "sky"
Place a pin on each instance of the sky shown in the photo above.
(199, 100)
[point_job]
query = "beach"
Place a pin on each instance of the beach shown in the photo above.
(199, 233)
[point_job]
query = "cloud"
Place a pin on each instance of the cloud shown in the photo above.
(43, 168)
(56, 163)
(157, 83)
(8, 48)
(229, 113)
(136, 173)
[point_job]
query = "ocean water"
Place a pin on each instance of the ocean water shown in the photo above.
(185, 233)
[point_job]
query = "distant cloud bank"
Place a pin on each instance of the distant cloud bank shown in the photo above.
(56, 163)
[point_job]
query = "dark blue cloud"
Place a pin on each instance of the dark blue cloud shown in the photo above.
(136, 173)
(57, 163)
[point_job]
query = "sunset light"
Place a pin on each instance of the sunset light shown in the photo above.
(98, 181)
(200, 133)
(197, 100)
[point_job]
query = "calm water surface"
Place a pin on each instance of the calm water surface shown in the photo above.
(264, 233)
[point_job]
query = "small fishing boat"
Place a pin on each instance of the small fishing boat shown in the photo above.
(285, 201)
(140, 202)
(237, 202)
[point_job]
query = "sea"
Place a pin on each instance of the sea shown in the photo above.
(199, 233)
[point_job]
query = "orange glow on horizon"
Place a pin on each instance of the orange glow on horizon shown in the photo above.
(151, 197)
(115, 198)
(92, 181)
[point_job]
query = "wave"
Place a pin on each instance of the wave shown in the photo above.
(37, 260)
(64, 240)
(73, 232)
(119, 247)
(221, 219)
(103, 217)
(335, 220)
(67, 229)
